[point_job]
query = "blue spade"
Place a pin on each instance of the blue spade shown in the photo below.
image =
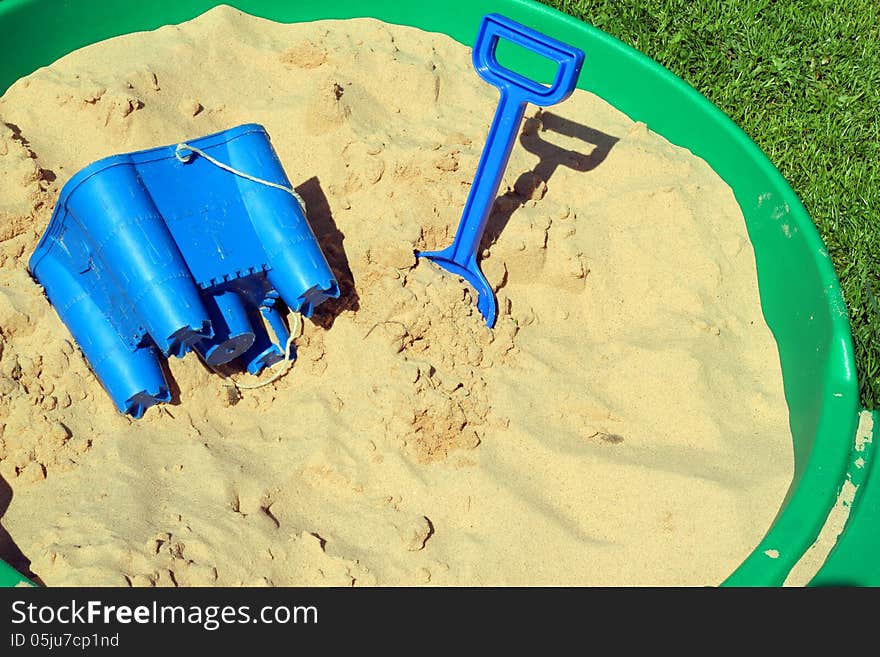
(460, 257)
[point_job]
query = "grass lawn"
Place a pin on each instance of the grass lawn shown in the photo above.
(802, 78)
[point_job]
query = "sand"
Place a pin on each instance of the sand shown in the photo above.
(624, 423)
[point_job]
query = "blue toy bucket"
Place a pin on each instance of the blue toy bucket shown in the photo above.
(191, 246)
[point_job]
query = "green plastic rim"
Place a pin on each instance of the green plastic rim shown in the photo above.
(800, 291)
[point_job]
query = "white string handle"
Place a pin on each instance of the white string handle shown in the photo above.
(185, 157)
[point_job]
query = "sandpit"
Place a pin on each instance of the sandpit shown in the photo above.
(624, 423)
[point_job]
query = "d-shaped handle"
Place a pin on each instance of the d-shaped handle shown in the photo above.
(570, 59)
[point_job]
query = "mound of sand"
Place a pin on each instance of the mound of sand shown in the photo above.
(623, 423)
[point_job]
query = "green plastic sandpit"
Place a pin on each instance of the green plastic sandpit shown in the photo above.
(800, 292)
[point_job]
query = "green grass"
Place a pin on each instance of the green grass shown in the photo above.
(802, 78)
